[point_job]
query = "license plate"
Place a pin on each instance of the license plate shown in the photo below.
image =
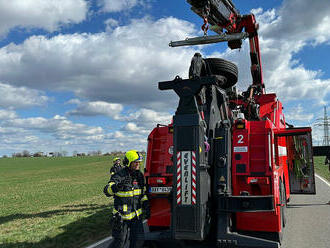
(160, 189)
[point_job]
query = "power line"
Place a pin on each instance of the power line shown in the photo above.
(325, 123)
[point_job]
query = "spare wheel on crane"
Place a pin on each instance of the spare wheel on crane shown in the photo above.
(224, 68)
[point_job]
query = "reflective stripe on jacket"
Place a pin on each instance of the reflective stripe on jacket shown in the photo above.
(130, 215)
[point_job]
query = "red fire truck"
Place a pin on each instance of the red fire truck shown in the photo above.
(221, 174)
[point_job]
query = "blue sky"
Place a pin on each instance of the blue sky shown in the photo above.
(81, 75)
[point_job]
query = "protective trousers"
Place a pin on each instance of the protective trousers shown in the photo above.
(127, 233)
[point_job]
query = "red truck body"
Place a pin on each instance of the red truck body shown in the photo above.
(259, 164)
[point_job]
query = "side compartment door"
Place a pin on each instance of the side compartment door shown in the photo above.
(299, 151)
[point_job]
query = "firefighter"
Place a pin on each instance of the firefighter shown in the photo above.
(327, 160)
(130, 203)
(116, 166)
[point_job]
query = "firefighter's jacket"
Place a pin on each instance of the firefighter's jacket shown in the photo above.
(129, 195)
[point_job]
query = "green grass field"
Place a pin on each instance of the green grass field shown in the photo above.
(58, 202)
(321, 169)
(53, 202)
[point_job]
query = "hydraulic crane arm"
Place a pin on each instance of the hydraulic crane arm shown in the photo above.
(222, 15)
(248, 22)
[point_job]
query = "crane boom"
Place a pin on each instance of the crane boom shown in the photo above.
(231, 27)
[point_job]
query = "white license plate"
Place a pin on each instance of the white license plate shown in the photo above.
(160, 189)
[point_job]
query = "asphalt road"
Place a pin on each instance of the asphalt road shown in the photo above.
(308, 220)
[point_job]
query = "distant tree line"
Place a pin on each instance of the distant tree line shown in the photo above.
(27, 154)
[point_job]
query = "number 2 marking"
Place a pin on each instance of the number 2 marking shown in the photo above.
(240, 139)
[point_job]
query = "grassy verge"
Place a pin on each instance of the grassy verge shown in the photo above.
(53, 202)
(321, 169)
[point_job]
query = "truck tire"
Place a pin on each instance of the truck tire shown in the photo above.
(224, 68)
(279, 235)
(284, 207)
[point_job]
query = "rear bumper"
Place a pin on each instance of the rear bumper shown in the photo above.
(246, 203)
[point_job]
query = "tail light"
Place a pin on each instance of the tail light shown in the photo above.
(156, 180)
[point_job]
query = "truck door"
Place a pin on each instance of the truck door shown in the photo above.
(299, 152)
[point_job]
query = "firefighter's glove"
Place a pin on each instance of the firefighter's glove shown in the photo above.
(114, 188)
(105, 190)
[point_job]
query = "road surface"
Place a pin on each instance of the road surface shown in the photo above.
(308, 220)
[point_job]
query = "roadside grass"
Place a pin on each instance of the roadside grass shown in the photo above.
(53, 202)
(320, 168)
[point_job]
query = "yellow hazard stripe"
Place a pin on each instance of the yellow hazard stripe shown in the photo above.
(109, 188)
(125, 208)
(144, 198)
(130, 215)
(137, 192)
(125, 193)
(138, 212)
(131, 193)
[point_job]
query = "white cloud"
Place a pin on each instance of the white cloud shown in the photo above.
(289, 78)
(139, 124)
(122, 66)
(117, 135)
(132, 127)
(58, 126)
(20, 97)
(22, 141)
(59, 133)
(123, 141)
(148, 117)
(117, 5)
(138, 121)
(96, 108)
(7, 114)
(110, 24)
(298, 113)
(48, 15)
(301, 20)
